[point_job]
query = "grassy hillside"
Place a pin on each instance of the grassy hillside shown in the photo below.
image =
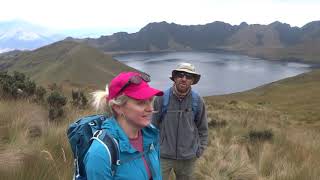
(66, 62)
(268, 133)
(298, 97)
(271, 132)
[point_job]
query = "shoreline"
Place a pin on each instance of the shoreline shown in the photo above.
(313, 64)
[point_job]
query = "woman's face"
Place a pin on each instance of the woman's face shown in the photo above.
(138, 112)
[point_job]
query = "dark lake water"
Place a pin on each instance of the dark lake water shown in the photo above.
(221, 73)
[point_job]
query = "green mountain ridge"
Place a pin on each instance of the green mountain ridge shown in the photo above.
(65, 62)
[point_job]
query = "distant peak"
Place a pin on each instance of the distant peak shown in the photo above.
(120, 33)
(157, 24)
(69, 38)
(278, 24)
(217, 22)
(312, 23)
(313, 26)
(243, 24)
(275, 23)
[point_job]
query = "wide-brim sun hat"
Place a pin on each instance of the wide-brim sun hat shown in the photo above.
(140, 91)
(188, 68)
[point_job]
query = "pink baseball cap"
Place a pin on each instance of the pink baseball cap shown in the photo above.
(133, 85)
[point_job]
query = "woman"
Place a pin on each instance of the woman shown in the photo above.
(130, 101)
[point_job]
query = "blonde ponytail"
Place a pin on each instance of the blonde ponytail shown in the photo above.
(99, 100)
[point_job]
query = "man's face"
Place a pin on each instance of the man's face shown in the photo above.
(183, 81)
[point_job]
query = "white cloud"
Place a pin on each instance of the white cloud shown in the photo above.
(126, 14)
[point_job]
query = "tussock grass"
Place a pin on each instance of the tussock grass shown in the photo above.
(258, 143)
(254, 142)
(225, 161)
(32, 147)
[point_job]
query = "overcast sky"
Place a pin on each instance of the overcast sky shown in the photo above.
(134, 14)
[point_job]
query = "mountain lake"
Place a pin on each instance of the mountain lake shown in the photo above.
(221, 72)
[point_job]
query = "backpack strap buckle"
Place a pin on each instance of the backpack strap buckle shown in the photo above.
(151, 147)
(97, 133)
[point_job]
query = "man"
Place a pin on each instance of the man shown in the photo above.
(182, 121)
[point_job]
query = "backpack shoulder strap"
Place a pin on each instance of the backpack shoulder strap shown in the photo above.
(165, 102)
(111, 146)
(195, 104)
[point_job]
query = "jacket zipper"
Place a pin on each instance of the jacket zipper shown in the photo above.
(147, 158)
(179, 114)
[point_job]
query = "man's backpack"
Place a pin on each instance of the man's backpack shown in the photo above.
(81, 134)
(195, 103)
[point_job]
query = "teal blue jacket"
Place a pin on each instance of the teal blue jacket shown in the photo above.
(97, 159)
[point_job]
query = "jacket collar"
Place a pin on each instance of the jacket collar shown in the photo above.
(149, 133)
